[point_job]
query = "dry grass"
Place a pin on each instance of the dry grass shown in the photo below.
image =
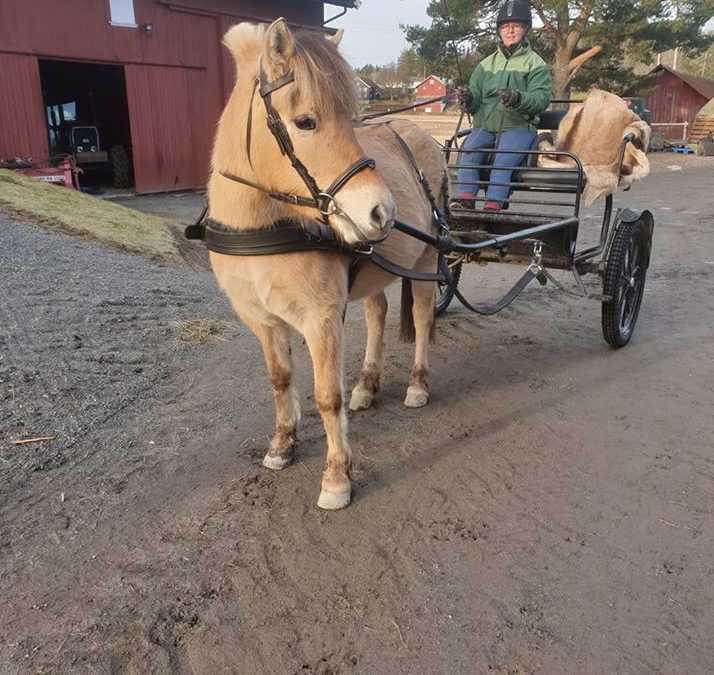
(55, 207)
(204, 330)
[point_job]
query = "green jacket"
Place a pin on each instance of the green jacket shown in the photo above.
(524, 71)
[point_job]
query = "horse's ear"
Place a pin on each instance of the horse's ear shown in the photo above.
(278, 49)
(337, 37)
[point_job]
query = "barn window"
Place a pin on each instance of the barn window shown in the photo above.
(122, 13)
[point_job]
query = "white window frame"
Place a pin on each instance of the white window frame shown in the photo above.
(121, 13)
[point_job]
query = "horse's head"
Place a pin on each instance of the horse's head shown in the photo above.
(301, 83)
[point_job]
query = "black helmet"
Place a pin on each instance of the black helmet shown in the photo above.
(515, 10)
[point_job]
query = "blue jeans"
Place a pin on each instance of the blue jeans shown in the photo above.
(503, 163)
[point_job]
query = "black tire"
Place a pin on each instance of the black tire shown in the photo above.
(445, 291)
(121, 166)
(624, 282)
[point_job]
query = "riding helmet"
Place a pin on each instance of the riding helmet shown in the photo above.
(515, 10)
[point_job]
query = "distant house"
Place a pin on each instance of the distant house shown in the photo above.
(431, 87)
(367, 90)
(673, 97)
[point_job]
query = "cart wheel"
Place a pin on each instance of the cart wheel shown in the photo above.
(624, 282)
(445, 291)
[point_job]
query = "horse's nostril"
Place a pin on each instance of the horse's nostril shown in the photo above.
(379, 216)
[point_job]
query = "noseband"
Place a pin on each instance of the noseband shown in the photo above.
(322, 200)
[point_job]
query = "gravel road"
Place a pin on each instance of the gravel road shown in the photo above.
(550, 510)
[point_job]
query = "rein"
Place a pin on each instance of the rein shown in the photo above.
(322, 200)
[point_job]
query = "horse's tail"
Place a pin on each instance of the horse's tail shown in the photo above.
(407, 331)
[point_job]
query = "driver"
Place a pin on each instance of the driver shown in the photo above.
(507, 92)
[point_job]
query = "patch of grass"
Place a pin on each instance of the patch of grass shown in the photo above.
(70, 211)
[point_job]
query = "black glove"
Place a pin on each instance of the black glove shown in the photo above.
(465, 95)
(510, 98)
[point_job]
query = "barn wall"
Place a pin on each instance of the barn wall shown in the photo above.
(178, 75)
(80, 29)
(672, 100)
(23, 132)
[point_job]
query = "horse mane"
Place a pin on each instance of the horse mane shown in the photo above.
(321, 74)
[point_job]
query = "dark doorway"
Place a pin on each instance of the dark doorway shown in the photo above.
(87, 117)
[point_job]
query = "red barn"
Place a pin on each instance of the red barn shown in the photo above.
(431, 87)
(150, 75)
(673, 96)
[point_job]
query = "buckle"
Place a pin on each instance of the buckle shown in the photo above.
(325, 201)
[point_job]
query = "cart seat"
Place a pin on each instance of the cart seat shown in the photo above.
(556, 180)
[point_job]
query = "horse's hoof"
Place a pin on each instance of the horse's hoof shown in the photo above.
(332, 501)
(361, 399)
(276, 462)
(416, 398)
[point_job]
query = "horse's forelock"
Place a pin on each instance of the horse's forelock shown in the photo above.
(323, 76)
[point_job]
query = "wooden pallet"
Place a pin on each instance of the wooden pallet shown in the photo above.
(701, 128)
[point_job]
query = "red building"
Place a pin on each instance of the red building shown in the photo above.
(673, 97)
(151, 75)
(431, 87)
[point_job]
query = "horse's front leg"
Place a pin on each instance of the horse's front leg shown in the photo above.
(375, 310)
(324, 340)
(275, 341)
(423, 313)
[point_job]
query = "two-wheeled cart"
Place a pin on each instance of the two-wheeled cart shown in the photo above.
(539, 230)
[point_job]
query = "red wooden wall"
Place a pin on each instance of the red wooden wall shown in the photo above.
(23, 132)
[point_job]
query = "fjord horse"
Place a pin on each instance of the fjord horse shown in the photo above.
(299, 81)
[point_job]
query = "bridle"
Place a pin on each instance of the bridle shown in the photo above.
(322, 200)
(288, 235)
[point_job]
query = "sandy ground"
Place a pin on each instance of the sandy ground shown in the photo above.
(549, 511)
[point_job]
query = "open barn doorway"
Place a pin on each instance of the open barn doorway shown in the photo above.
(87, 117)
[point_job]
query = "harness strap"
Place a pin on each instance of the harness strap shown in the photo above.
(284, 236)
(488, 310)
(289, 236)
(438, 215)
(399, 271)
(269, 87)
(279, 196)
(341, 180)
(249, 125)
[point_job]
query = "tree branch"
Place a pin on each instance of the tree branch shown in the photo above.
(584, 16)
(548, 27)
(575, 64)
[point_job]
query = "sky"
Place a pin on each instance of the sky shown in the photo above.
(372, 33)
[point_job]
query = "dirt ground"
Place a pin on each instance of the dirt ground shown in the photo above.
(549, 511)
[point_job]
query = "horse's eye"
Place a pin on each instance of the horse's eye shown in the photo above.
(305, 123)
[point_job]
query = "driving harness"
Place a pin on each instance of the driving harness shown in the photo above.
(289, 235)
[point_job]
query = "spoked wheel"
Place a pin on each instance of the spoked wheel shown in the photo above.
(624, 282)
(445, 291)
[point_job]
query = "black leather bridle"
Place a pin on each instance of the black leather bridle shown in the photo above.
(322, 200)
(286, 235)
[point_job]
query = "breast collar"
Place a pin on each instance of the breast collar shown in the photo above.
(322, 200)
